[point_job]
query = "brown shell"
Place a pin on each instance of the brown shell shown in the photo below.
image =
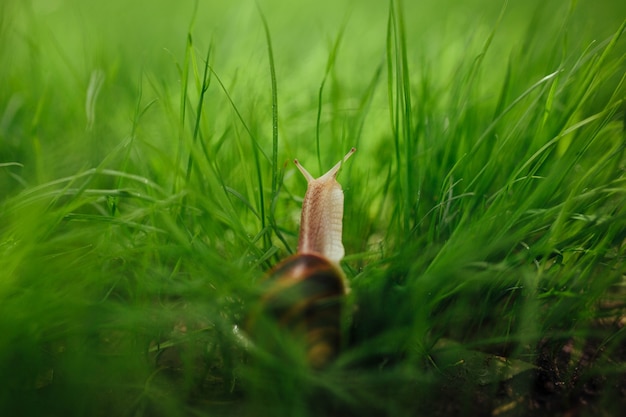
(304, 295)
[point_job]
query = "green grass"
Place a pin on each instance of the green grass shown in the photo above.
(146, 185)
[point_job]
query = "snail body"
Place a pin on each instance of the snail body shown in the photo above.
(303, 293)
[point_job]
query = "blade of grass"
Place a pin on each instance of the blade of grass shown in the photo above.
(275, 170)
(330, 63)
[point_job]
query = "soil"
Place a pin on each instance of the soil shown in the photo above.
(572, 378)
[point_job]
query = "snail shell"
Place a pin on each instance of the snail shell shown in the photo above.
(304, 292)
(305, 297)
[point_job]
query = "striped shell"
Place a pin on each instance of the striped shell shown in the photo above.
(305, 295)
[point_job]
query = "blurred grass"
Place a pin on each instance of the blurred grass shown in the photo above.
(143, 194)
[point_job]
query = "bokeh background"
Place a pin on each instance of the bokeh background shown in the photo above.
(125, 268)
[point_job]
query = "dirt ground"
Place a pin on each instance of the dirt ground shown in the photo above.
(571, 378)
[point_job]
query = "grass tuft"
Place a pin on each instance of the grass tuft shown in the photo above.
(143, 198)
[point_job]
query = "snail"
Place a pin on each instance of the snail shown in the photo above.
(304, 292)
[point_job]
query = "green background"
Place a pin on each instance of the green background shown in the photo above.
(143, 195)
